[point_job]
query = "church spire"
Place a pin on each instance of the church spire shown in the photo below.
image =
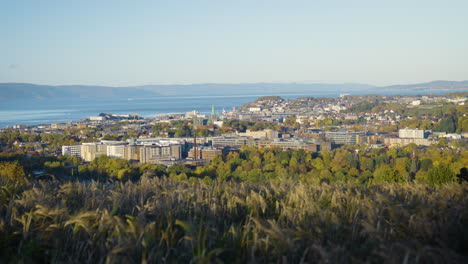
(212, 116)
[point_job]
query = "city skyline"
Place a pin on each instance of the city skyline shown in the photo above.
(118, 43)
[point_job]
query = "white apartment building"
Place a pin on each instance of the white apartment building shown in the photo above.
(115, 151)
(410, 133)
(71, 150)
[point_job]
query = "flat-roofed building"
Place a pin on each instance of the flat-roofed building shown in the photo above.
(411, 133)
(191, 153)
(149, 152)
(266, 133)
(288, 144)
(157, 140)
(232, 141)
(71, 150)
(348, 137)
(97, 118)
(90, 151)
(211, 153)
(156, 153)
(370, 139)
(132, 152)
(406, 141)
(59, 125)
(250, 116)
(206, 153)
(115, 151)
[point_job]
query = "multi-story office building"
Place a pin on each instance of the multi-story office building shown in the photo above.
(211, 153)
(206, 153)
(191, 153)
(236, 142)
(72, 150)
(158, 140)
(132, 152)
(406, 141)
(344, 136)
(411, 133)
(116, 151)
(291, 144)
(150, 151)
(90, 151)
(267, 133)
(156, 153)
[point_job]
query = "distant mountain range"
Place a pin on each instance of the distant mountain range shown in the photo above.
(11, 91)
(430, 86)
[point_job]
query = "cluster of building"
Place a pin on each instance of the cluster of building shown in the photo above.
(404, 137)
(420, 137)
(275, 109)
(409, 136)
(311, 110)
(152, 150)
(311, 135)
(283, 144)
(168, 151)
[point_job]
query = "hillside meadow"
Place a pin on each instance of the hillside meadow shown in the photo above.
(162, 220)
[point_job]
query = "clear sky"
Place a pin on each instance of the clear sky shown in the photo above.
(119, 43)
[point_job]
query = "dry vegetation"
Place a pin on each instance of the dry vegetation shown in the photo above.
(159, 220)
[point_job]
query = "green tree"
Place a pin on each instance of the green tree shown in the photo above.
(178, 169)
(12, 171)
(54, 167)
(317, 164)
(402, 166)
(110, 137)
(124, 174)
(462, 124)
(425, 164)
(293, 164)
(441, 174)
(447, 124)
(384, 173)
(152, 169)
(366, 164)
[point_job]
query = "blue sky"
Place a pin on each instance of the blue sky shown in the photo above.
(141, 42)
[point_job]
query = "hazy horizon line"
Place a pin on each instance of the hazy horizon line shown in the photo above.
(237, 83)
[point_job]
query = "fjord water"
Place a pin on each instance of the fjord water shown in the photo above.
(46, 111)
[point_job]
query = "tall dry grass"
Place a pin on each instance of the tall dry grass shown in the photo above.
(158, 220)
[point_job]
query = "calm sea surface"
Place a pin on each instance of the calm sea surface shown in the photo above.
(44, 111)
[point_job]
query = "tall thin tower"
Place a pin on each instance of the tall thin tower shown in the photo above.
(212, 116)
(195, 149)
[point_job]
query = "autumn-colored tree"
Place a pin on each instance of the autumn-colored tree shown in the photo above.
(12, 171)
(441, 174)
(385, 173)
(366, 163)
